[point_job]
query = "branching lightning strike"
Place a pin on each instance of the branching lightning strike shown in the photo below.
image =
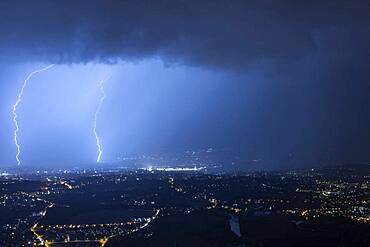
(102, 98)
(19, 99)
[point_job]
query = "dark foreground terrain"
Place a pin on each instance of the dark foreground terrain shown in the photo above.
(324, 207)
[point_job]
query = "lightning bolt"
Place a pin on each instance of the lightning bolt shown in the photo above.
(102, 98)
(15, 106)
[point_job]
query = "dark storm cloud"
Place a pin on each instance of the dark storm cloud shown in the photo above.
(229, 34)
(304, 96)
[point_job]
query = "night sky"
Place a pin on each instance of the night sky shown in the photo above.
(281, 81)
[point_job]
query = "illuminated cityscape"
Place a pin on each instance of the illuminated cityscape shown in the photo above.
(117, 207)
